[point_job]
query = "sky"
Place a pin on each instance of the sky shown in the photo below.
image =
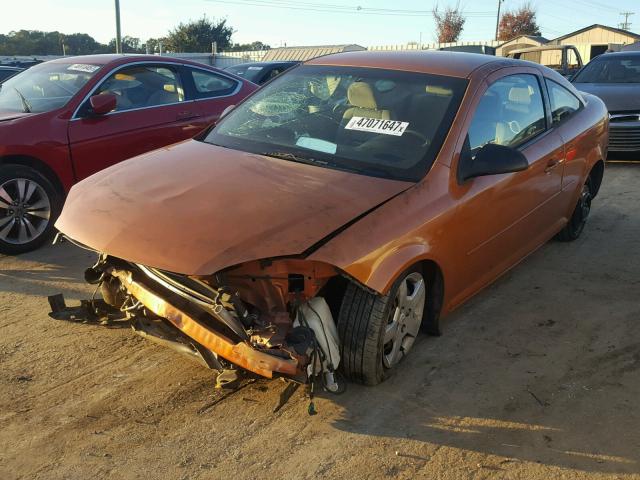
(304, 22)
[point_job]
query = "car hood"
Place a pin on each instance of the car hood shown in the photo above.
(11, 115)
(195, 208)
(616, 96)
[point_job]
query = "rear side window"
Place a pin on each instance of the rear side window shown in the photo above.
(510, 112)
(563, 102)
(211, 85)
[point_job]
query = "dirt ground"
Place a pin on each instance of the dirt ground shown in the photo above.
(538, 377)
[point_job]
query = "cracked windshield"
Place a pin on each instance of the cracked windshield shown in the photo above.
(375, 122)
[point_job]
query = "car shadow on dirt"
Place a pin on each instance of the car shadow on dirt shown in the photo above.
(55, 269)
(548, 385)
(543, 366)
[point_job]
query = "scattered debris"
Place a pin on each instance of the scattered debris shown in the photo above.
(537, 399)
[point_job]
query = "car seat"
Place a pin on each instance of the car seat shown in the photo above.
(485, 121)
(516, 114)
(168, 94)
(362, 103)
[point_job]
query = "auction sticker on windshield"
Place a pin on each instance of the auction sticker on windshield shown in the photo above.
(376, 125)
(83, 67)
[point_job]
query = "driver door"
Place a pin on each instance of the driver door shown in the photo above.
(151, 112)
(507, 216)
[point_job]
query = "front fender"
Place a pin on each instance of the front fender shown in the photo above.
(384, 270)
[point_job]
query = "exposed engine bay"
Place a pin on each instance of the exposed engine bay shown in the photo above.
(267, 317)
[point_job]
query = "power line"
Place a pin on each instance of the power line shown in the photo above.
(329, 8)
(626, 25)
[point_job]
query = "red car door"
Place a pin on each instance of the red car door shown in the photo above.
(214, 92)
(152, 111)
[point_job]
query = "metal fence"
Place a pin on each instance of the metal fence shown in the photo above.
(433, 46)
(227, 59)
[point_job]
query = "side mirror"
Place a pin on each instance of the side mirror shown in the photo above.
(493, 159)
(103, 103)
(227, 110)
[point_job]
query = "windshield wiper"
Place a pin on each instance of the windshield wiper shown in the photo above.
(25, 104)
(292, 157)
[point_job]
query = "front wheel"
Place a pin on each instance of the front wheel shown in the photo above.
(578, 220)
(376, 332)
(29, 205)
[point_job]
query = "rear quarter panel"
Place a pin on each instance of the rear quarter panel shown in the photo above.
(586, 135)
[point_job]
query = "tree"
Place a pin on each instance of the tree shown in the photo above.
(449, 23)
(82, 44)
(35, 42)
(152, 45)
(198, 35)
(128, 44)
(240, 47)
(518, 22)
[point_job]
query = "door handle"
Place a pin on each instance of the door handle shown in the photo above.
(553, 163)
(186, 115)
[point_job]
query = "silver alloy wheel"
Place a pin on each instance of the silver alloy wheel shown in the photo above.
(25, 210)
(404, 320)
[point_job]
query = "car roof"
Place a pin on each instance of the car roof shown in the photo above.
(117, 59)
(623, 53)
(453, 64)
(265, 64)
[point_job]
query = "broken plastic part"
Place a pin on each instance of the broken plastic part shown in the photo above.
(241, 353)
(227, 379)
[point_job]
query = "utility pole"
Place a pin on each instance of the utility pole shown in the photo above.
(626, 25)
(118, 35)
(498, 18)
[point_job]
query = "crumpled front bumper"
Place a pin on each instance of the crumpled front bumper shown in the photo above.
(239, 353)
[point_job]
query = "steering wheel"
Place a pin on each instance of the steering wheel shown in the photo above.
(326, 117)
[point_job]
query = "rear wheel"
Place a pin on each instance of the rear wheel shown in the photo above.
(578, 220)
(377, 332)
(29, 205)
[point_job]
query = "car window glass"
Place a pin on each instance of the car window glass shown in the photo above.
(572, 58)
(4, 74)
(45, 87)
(510, 112)
(274, 73)
(530, 56)
(209, 84)
(610, 69)
(142, 86)
(563, 102)
(374, 121)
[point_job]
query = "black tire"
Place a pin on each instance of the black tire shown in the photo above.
(362, 320)
(575, 226)
(43, 227)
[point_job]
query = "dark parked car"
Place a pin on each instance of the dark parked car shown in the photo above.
(260, 72)
(23, 64)
(63, 120)
(6, 72)
(615, 78)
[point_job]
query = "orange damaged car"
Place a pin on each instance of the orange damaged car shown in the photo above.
(340, 210)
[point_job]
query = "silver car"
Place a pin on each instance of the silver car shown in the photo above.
(615, 78)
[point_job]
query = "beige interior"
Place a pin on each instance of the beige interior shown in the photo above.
(363, 103)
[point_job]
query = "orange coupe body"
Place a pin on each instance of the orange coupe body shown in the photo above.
(391, 186)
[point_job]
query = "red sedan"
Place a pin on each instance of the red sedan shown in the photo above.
(63, 120)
